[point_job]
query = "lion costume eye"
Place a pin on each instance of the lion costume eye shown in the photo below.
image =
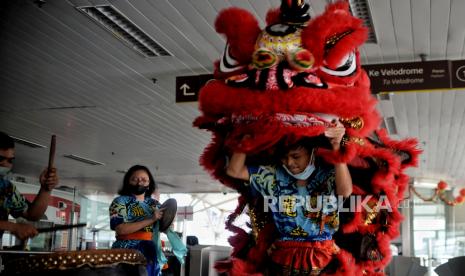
(346, 67)
(228, 63)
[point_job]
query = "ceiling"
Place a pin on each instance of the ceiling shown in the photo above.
(63, 74)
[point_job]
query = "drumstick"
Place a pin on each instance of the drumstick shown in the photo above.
(51, 156)
(60, 227)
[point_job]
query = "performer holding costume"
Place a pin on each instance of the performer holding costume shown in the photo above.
(286, 83)
(134, 213)
(305, 246)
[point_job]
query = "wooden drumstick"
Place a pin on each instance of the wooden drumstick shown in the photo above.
(60, 227)
(51, 157)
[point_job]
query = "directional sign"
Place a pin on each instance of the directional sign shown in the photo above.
(185, 213)
(188, 87)
(391, 77)
(425, 75)
(457, 73)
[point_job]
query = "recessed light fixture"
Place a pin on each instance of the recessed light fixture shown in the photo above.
(84, 160)
(361, 9)
(124, 29)
(27, 142)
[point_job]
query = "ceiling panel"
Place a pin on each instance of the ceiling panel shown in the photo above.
(456, 32)
(401, 18)
(440, 13)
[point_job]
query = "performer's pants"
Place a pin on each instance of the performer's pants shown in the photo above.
(292, 258)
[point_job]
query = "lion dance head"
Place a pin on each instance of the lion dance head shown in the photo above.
(288, 81)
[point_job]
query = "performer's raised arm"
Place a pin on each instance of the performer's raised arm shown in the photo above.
(342, 174)
(237, 168)
(343, 180)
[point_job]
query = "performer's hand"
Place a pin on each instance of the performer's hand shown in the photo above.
(24, 231)
(48, 179)
(157, 214)
(335, 135)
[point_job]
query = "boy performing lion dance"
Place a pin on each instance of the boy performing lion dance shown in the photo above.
(294, 125)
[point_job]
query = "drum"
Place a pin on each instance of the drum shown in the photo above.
(170, 207)
(119, 262)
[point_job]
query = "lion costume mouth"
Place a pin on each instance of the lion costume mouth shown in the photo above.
(224, 106)
(276, 78)
(296, 120)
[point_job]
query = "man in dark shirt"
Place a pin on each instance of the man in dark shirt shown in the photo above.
(13, 203)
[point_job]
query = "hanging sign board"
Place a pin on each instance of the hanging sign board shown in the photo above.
(188, 87)
(457, 73)
(390, 77)
(427, 75)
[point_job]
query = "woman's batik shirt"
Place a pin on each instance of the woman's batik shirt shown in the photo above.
(127, 209)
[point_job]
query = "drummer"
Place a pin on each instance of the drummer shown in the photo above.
(13, 203)
(133, 214)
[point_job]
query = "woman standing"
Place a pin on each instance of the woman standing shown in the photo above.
(134, 213)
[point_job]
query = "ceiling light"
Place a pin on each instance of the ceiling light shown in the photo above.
(124, 29)
(83, 159)
(27, 143)
(361, 9)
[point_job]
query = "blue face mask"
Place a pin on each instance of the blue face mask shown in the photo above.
(303, 175)
(4, 171)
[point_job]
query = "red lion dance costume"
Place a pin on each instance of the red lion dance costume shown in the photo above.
(289, 81)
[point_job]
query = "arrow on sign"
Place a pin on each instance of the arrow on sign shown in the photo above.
(184, 89)
(188, 87)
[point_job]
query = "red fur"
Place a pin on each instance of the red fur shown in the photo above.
(241, 30)
(258, 254)
(345, 97)
(347, 44)
(402, 184)
(218, 99)
(333, 157)
(347, 264)
(272, 16)
(350, 80)
(353, 225)
(335, 20)
(240, 239)
(408, 145)
(213, 160)
(236, 267)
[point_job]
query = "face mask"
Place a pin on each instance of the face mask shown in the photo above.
(138, 190)
(4, 171)
(303, 175)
